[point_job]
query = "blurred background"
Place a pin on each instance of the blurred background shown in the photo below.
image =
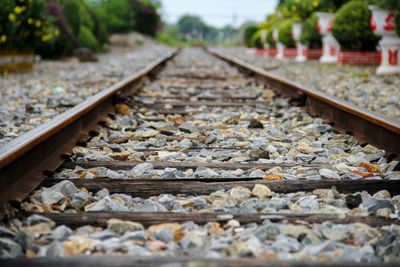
(55, 28)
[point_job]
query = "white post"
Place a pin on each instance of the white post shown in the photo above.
(297, 28)
(382, 23)
(266, 47)
(279, 45)
(330, 47)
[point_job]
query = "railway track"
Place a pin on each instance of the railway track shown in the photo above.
(195, 162)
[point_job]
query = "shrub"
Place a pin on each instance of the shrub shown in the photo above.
(270, 40)
(78, 14)
(310, 35)
(248, 33)
(397, 22)
(7, 26)
(285, 33)
(351, 27)
(339, 3)
(170, 35)
(59, 48)
(87, 39)
(302, 9)
(101, 34)
(98, 27)
(118, 15)
(72, 16)
(147, 20)
(25, 24)
(249, 37)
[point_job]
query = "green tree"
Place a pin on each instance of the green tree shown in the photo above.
(191, 25)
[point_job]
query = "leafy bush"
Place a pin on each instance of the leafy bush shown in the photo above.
(302, 9)
(397, 22)
(101, 33)
(285, 33)
(118, 15)
(87, 39)
(147, 20)
(25, 24)
(78, 15)
(56, 49)
(249, 38)
(7, 26)
(72, 15)
(339, 3)
(170, 35)
(248, 33)
(351, 27)
(98, 27)
(270, 40)
(310, 35)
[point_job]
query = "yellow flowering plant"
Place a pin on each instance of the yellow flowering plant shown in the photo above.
(302, 9)
(7, 24)
(25, 25)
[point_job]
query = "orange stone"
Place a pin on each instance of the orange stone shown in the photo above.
(364, 174)
(177, 120)
(123, 109)
(82, 175)
(369, 167)
(271, 177)
(179, 234)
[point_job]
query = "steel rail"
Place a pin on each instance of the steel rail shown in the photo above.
(23, 160)
(365, 125)
(128, 261)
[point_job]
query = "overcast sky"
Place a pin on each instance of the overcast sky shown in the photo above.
(218, 13)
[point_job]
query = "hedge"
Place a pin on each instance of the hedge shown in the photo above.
(87, 39)
(351, 27)
(310, 35)
(249, 40)
(270, 40)
(285, 33)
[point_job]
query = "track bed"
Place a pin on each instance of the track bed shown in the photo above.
(206, 165)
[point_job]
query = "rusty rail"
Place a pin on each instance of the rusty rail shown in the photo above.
(23, 160)
(365, 125)
(113, 260)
